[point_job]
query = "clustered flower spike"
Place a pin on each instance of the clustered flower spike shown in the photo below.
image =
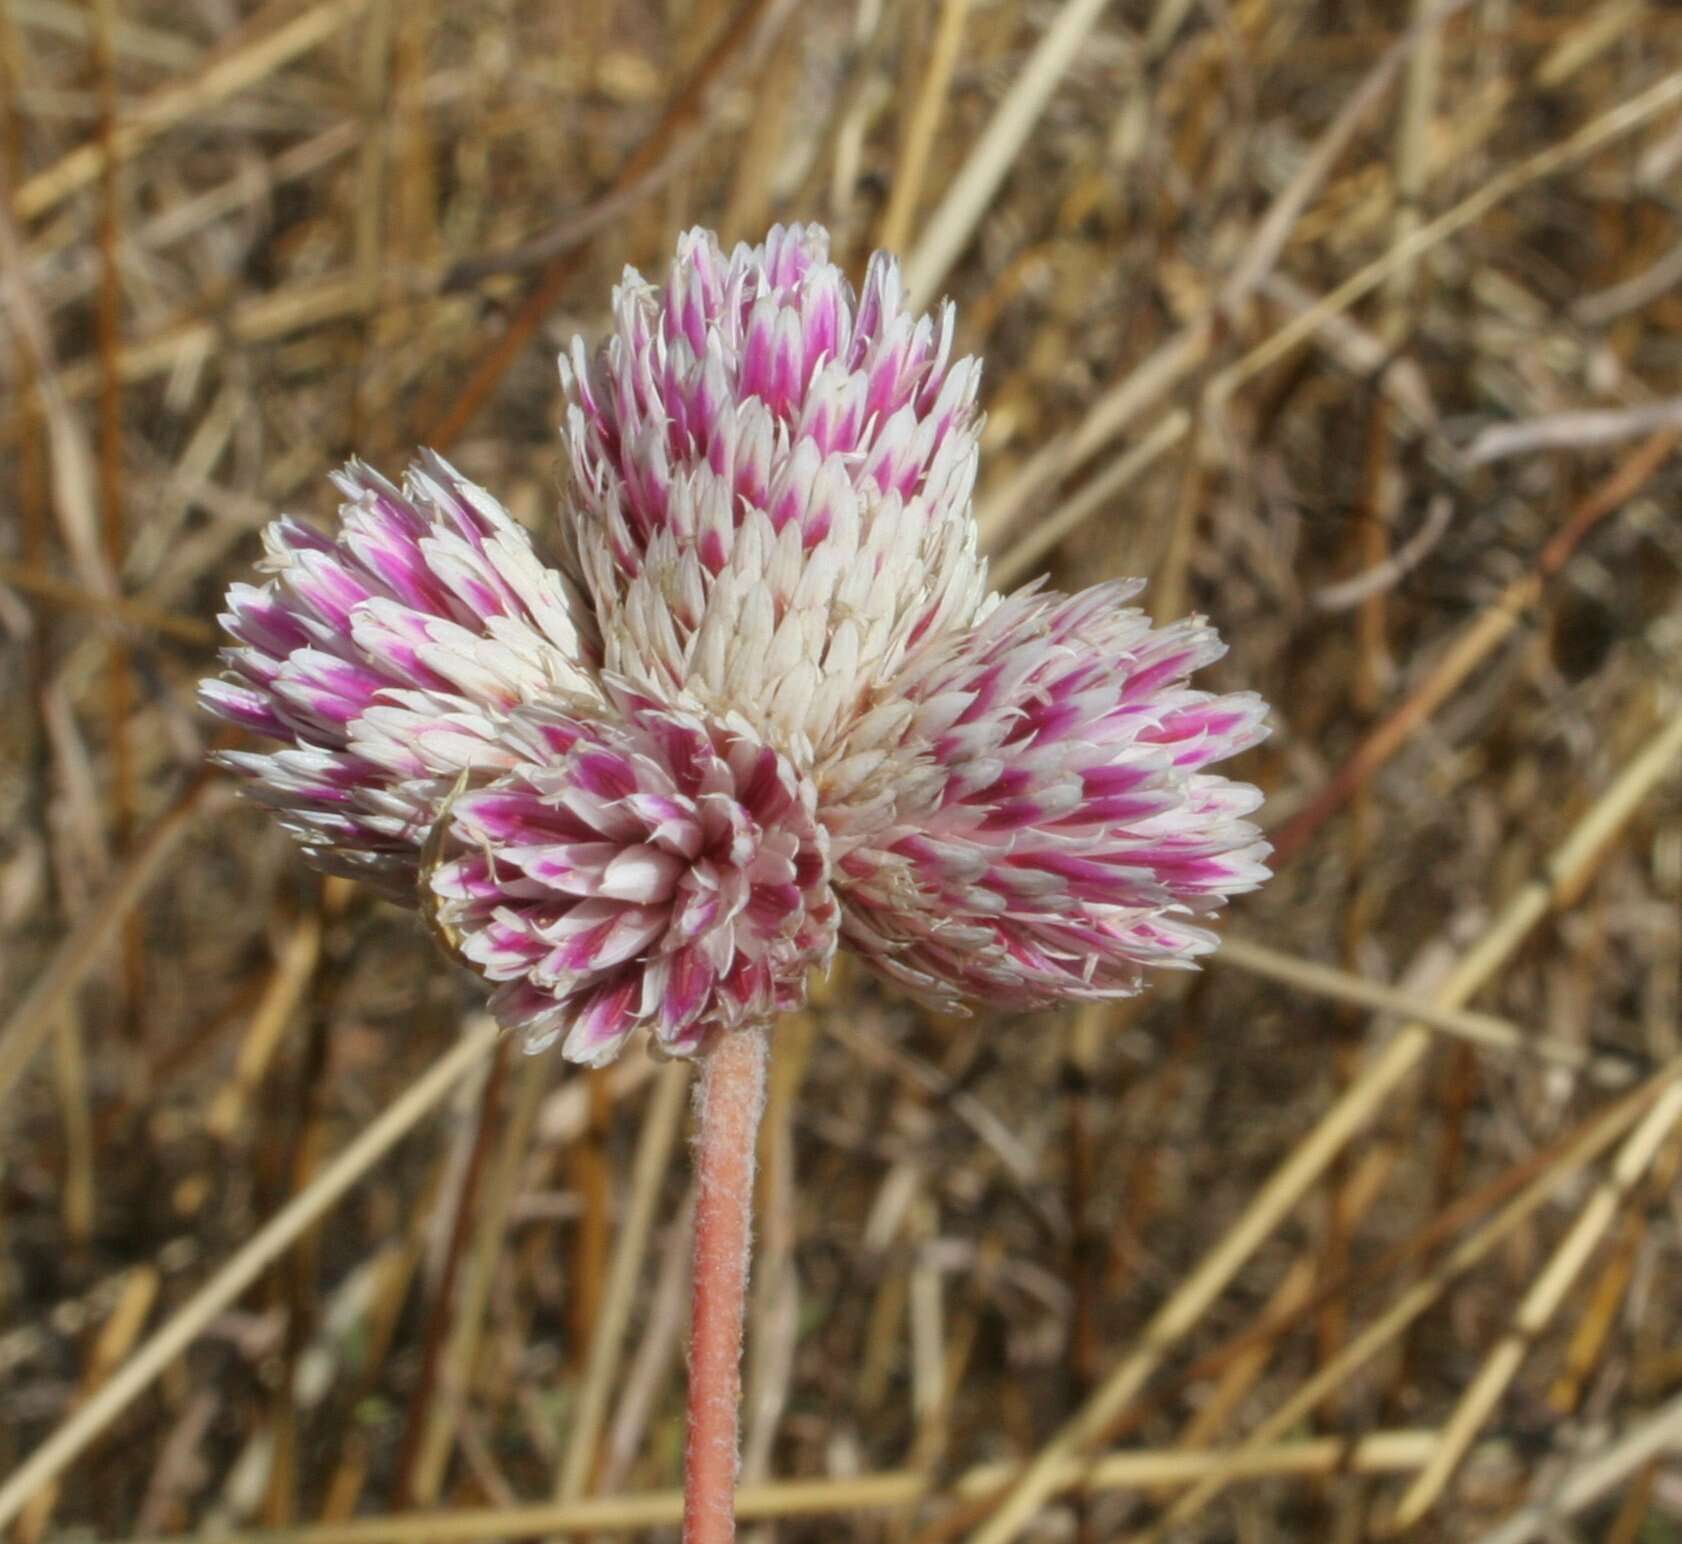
(765, 702)
(657, 868)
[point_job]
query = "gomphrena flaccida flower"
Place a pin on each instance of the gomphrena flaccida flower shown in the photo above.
(757, 702)
(760, 703)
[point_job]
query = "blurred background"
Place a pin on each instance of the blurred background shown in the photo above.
(1354, 324)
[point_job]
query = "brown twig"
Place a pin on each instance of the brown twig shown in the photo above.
(1573, 860)
(418, 1480)
(1473, 645)
(752, 26)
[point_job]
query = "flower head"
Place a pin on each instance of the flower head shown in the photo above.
(764, 701)
(653, 868)
(1075, 835)
(771, 484)
(388, 660)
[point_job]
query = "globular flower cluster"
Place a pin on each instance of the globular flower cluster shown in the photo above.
(657, 867)
(763, 702)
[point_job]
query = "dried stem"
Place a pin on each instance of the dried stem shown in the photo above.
(654, 1148)
(26, 1029)
(731, 1100)
(1537, 1308)
(1378, 1452)
(264, 1247)
(1484, 1029)
(1593, 1476)
(1573, 861)
(952, 224)
(493, 1201)
(922, 123)
(256, 52)
(753, 27)
(424, 1447)
(1605, 1128)
(1474, 644)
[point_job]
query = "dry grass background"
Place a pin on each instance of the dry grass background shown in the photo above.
(1357, 325)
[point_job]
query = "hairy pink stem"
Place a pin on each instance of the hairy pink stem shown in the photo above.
(731, 1098)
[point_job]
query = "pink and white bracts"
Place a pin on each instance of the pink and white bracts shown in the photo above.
(389, 659)
(654, 869)
(1074, 834)
(766, 700)
(771, 483)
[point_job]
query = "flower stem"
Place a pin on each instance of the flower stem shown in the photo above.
(732, 1095)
